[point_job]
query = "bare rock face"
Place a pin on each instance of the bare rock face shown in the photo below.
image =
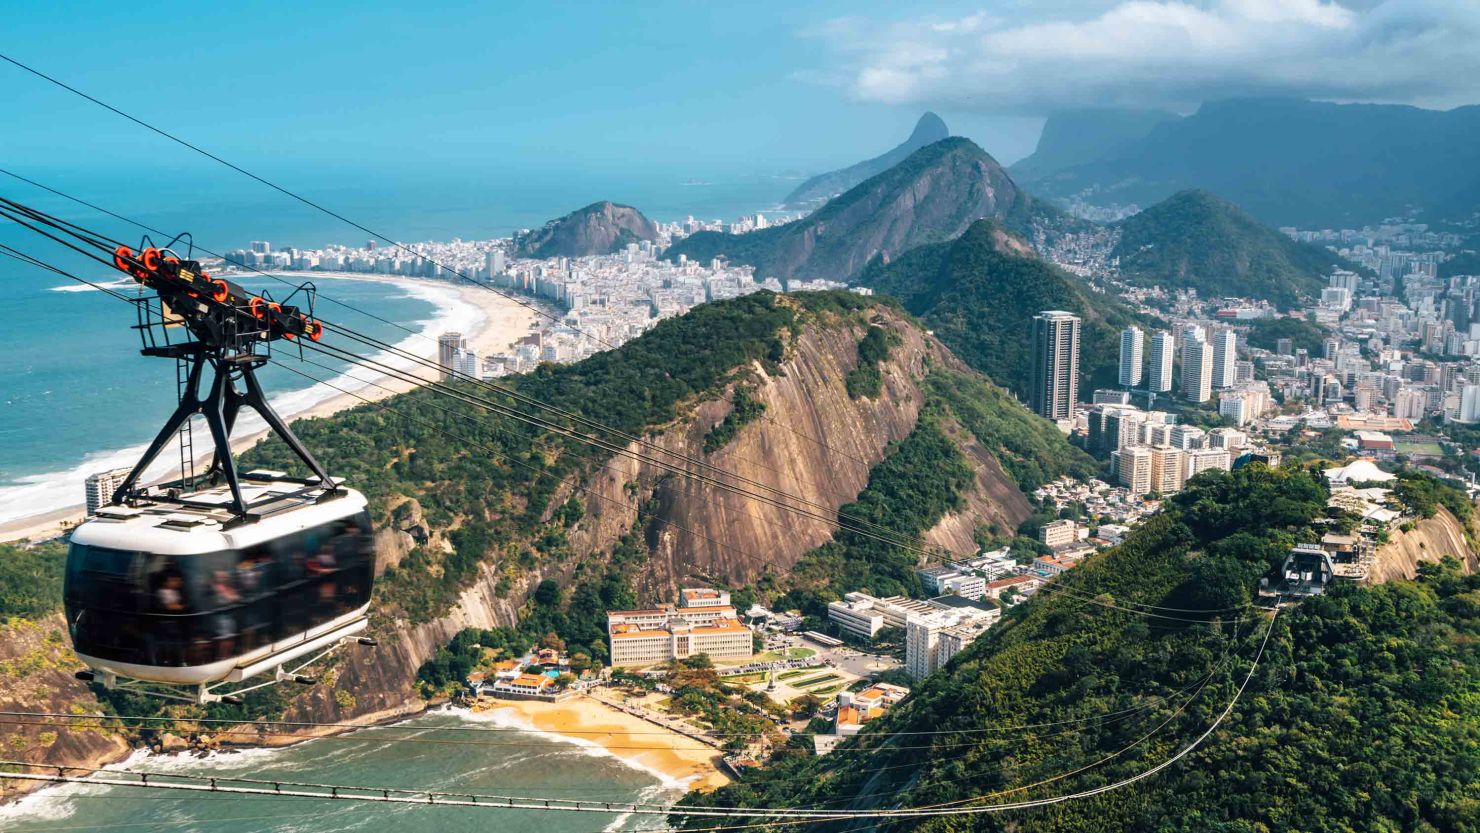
(813, 442)
(1430, 540)
(36, 668)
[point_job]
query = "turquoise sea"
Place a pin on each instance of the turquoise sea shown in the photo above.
(75, 395)
(429, 752)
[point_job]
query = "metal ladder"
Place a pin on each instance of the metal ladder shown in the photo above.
(186, 434)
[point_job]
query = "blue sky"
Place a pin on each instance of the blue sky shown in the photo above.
(688, 90)
(691, 87)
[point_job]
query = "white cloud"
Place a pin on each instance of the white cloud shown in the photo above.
(1166, 53)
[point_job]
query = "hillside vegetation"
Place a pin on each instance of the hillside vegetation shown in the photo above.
(979, 293)
(597, 229)
(1194, 240)
(31, 580)
(1361, 716)
(507, 494)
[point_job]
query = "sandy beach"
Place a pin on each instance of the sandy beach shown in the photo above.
(490, 322)
(630, 738)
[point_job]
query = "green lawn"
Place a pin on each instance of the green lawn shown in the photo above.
(1430, 449)
(824, 692)
(821, 678)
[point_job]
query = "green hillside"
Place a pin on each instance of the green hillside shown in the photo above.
(1194, 240)
(494, 482)
(1364, 714)
(979, 293)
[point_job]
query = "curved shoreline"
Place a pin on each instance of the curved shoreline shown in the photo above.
(490, 322)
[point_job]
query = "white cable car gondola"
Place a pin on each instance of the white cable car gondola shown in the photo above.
(179, 596)
(189, 589)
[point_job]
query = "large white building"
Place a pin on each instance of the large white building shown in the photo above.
(691, 597)
(1131, 339)
(1225, 358)
(1197, 370)
(862, 615)
(100, 488)
(1163, 347)
(647, 637)
(1168, 469)
(931, 639)
(449, 344)
(1133, 467)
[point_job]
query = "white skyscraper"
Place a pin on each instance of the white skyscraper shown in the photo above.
(1197, 370)
(448, 345)
(1225, 358)
(1162, 347)
(1130, 356)
(100, 488)
(1055, 378)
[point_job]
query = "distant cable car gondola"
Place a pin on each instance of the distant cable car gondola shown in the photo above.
(188, 589)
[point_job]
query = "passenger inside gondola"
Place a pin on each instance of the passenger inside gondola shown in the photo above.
(182, 610)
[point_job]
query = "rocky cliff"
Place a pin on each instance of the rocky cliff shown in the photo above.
(36, 669)
(815, 441)
(599, 228)
(1430, 540)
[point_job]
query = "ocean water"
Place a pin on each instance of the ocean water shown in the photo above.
(76, 396)
(439, 757)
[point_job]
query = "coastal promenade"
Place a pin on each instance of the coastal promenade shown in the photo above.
(671, 724)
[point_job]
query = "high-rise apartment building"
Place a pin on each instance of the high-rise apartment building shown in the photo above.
(1225, 358)
(100, 488)
(1133, 466)
(1130, 356)
(1168, 470)
(1055, 377)
(1162, 347)
(448, 346)
(1197, 370)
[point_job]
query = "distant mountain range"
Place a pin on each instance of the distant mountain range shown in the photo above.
(1195, 240)
(1083, 136)
(599, 228)
(928, 130)
(1287, 161)
(930, 197)
(979, 293)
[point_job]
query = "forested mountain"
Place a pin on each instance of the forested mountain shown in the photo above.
(1079, 137)
(1295, 162)
(928, 130)
(979, 293)
(932, 196)
(1195, 240)
(483, 522)
(599, 228)
(1361, 714)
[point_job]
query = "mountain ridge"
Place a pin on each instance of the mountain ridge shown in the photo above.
(932, 196)
(929, 129)
(1293, 162)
